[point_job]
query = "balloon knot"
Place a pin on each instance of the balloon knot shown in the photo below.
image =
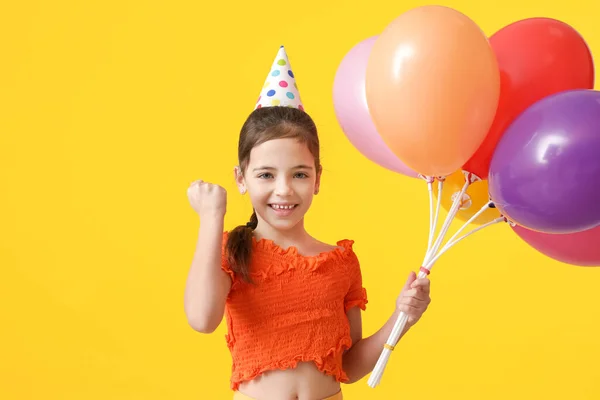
(470, 177)
(508, 221)
(428, 179)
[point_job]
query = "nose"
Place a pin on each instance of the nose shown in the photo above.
(283, 187)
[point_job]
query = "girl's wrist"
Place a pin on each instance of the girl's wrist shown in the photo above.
(212, 216)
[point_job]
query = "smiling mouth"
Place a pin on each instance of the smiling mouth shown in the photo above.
(283, 207)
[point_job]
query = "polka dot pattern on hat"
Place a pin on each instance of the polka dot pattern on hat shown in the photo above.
(280, 88)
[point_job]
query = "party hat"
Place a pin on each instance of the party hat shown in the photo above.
(280, 87)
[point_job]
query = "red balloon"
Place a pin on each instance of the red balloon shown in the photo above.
(580, 248)
(537, 57)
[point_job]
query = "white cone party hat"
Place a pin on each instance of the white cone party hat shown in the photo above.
(280, 87)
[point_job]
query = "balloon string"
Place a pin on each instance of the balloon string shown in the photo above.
(454, 242)
(437, 209)
(451, 214)
(473, 218)
(431, 218)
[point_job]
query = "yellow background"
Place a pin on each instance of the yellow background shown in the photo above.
(109, 109)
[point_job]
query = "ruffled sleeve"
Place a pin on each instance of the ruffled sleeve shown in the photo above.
(224, 262)
(357, 294)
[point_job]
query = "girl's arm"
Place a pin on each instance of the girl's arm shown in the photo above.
(361, 358)
(207, 284)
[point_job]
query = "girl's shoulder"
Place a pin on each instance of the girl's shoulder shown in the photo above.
(319, 247)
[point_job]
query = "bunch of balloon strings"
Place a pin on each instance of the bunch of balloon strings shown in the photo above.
(433, 253)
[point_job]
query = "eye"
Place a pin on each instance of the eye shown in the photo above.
(265, 175)
(301, 175)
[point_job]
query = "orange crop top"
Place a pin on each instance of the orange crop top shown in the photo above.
(295, 311)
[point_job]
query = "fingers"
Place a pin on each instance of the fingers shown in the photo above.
(422, 287)
(414, 301)
(193, 185)
(207, 185)
(411, 280)
(414, 298)
(421, 282)
(419, 287)
(414, 309)
(410, 311)
(417, 294)
(414, 313)
(202, 188)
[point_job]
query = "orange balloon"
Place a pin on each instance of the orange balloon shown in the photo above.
(432, 86)
(475, 197)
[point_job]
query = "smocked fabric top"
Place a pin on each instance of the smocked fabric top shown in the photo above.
(294, 311)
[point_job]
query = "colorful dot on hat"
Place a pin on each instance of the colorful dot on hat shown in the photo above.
(300, 107)
(275, 102)
(290, 73)
(295, 85)
(271, 93)
(290, 95)
(283, 84)
(259, 106)
(281, 61)
(275, 73)
(259, 97)
(266, 84)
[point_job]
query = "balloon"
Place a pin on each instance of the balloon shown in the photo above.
(579, 248)
(537, 57)
(352, 112)
(545, 172)
(475, 197)
(432, 85)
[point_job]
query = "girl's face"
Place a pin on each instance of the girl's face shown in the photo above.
(281, 181)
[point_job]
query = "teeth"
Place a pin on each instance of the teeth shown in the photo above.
(282, 207)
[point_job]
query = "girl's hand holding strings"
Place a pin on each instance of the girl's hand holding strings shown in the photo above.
(414, 298)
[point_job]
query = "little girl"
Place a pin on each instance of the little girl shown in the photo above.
(292, 303)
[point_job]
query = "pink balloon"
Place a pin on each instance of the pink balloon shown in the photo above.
(352, 112)
(579, 248)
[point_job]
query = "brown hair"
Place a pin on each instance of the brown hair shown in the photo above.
(262, 125)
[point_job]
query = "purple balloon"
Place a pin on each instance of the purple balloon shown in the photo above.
(545, 172)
